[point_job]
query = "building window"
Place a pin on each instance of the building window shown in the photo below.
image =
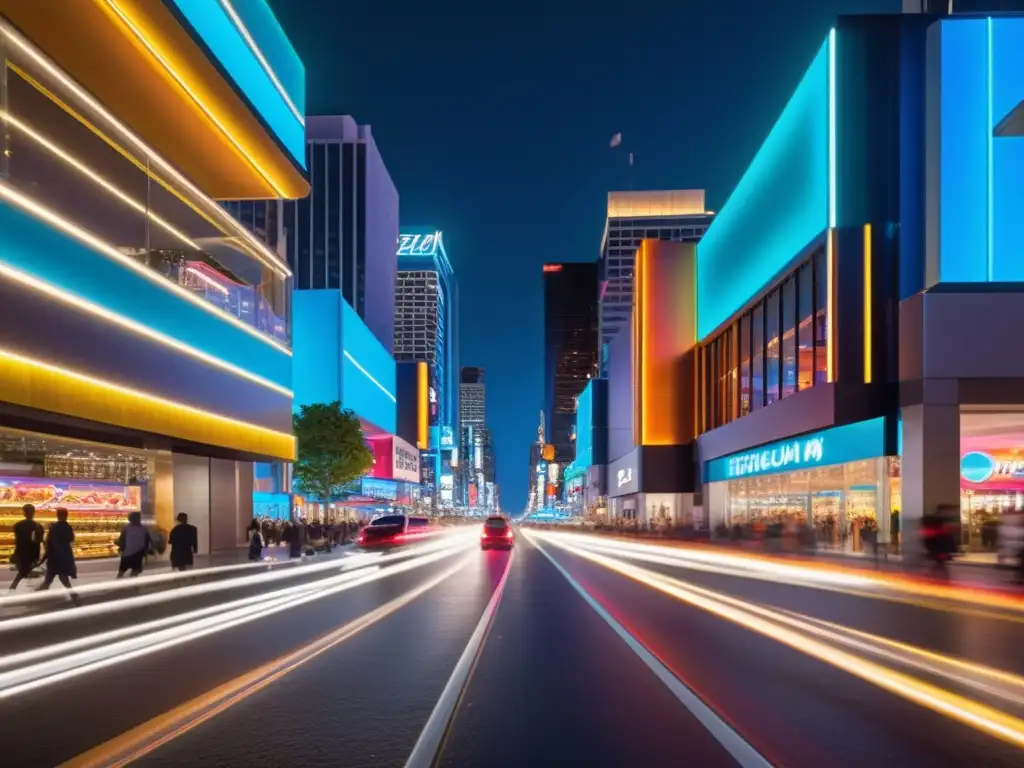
(733, 382)
(821, 329)
(771, 348)
(757, 360)
(745, 365)
(805, 327)
(789, 381)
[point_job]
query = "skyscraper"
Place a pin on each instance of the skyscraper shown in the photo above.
(570, 347)
(472, 397)
(426, 320)
(632, 216)
(343, 234)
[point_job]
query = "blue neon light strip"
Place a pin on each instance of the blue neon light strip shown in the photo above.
(367, 372)
(219, 33)
(838, 445)
(32, 247)
(784, 200)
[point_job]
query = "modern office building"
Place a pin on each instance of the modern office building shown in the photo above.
(342, 235)
(145, 358)
(845, 308)
(570, 347)
(426, 330)
(472, 397)
(677, 215)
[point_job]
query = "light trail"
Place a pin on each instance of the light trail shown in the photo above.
(147, 737)
(980, 716)
(264, 577)
(811, 575)
(34, 676)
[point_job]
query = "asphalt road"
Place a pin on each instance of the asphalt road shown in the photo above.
(678, 663)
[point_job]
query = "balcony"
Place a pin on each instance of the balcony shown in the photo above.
(67, 161)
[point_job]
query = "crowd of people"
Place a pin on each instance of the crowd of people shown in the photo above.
(53, 548)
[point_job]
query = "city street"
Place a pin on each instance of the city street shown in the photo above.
(598, 652)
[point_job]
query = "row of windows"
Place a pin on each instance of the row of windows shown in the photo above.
(776, 348)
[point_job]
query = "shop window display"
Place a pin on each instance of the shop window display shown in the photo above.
(98, 484)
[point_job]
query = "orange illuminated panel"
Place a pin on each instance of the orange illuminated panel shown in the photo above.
(552, 267)
(422, 405)
(669, 202)
(665, 333)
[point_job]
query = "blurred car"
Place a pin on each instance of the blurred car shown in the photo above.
(497, 534)
(392, 531)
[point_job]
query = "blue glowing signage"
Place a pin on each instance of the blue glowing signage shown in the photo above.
(977, 466)
(976, 155)
(784, 200)
(447, 437)
(419, 245)
(585, 427)
(239, 50)
(838, 445)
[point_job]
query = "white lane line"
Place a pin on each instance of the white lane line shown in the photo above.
(431, 737)
(740, 749)
(153, 734)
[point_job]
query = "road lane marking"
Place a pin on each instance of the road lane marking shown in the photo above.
(161, 730)
(738, 747)
(431, 739)
(972, 713)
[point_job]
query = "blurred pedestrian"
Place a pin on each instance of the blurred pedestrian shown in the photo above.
(184, 543)
(134, 543)
(28, 540)
(60, 554)
(255, 542)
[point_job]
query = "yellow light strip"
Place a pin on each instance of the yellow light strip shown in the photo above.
(830, 315)
(268, 257)
(97, 179)
(176, 76)
(263, 62)
(867, 304)
(78, 302)
(422, 405)
(39, 384)
(86, 237)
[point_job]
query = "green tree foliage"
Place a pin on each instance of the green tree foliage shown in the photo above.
(331, 449)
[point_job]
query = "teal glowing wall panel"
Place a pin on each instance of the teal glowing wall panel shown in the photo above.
(29, 245)
(216, 29)
(780, 205)
(585, 427)
(979, 79)
(338, 358)
(276, 48)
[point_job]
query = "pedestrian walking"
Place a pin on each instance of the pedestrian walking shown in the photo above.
(28, 540)
(184, 543)
(134, 544)
(255, 542)
(60, 554)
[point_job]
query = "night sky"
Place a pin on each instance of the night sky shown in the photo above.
(494, 120)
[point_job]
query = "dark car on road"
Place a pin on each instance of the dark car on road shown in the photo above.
(392, 531)
(497, 534)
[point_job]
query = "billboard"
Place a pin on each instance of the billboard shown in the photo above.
(394, 459)
(974, 151)
(783, 201)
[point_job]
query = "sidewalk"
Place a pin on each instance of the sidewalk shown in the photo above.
(105, 569)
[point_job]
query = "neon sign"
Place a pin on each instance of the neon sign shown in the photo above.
(838, 445)
(625, 477)
(419, 245)
(552, 267)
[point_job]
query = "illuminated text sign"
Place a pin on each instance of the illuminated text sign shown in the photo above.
(419, 245)
(852, 442)
(625, 477)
